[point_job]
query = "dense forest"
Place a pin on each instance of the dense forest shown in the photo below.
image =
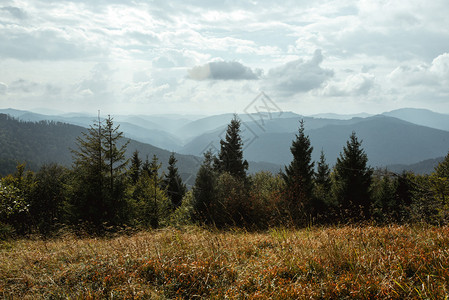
(104, 191)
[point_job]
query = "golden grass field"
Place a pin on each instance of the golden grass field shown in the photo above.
(330, 263)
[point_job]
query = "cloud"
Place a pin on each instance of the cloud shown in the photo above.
(98, 82)
(223, 70)
(43, 44)
(3, 88)
(435, 74)
(298, 76)
(353, 85)
(14, 11)
(23, 86)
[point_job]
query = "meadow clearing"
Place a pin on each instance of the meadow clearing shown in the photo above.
(361, 262)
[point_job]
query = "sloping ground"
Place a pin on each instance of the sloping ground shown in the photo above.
(394, 262)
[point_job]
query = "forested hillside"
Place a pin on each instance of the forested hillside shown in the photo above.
(43, 142)
(35, 143)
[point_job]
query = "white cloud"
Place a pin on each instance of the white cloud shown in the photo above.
(298, 76)
(3, 88)
(374, 50)
(353, 85)
(437, 73)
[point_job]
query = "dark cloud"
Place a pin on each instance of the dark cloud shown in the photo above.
(15, 11)
(298, 76)
(223, 70)
(23, 86)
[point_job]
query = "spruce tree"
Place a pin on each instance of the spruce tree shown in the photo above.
(323, 186)
(204, 190)
(98, 168)
(322, 176)
(146, 167)
(156, 180)
(353, 177)
(114, 155)
(173, 183)
(135, 169)
(298, 176)
(230, 158)
(88, 198)
(442, 169)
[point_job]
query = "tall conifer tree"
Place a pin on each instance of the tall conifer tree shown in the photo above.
(230, 158)
(298, 176)
(204, 190)
(354, 179)
(136, 165)
(173, 183)
(98, 166)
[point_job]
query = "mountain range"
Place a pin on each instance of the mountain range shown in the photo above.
(401, 138)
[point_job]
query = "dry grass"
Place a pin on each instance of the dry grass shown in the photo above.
(348, 262)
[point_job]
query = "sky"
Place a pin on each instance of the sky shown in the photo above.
(211, 57)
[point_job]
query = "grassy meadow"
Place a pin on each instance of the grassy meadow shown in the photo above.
(361, 262)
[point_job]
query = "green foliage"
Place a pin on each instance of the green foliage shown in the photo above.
(35, 143)
(231, 206)
(431, 197)
(204, 190)
(298, 177)
(149, 203)
(353, 181)
(12, 202)
(15, 191)
(135, 169)
(48, 204)
(173, 183)
(230, 158)
(266, 200)
(184, 214)
(322, 189)
(100, 190)
(97, 191)
(114, 156)
(442, 170)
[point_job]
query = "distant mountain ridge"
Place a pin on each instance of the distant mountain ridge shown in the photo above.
(401, 137)
(386, 140)
(423, 167)
(422, 117)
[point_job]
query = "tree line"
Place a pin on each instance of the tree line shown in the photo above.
(104, 190)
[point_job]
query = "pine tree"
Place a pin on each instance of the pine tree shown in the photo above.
(98, 169)
(230, 158)
(204, 190)
(323, 185)
(156, 180)
(442, 169)
(89, 176)
(299, 174)
(173, 183)
(135, 169)
(322, 176)
(114, 156)
(353, 178)
(146, 167)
